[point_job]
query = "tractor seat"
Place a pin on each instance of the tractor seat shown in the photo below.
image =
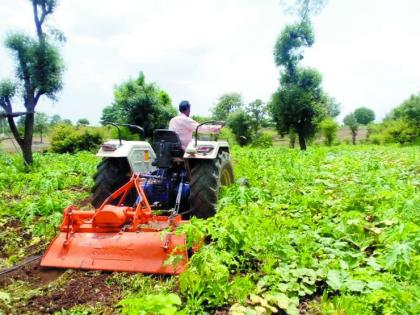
(167, 146)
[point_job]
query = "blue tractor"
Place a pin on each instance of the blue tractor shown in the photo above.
(173, 179)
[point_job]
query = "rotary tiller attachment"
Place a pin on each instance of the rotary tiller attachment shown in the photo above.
(119, 238)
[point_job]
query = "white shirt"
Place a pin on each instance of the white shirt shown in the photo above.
(184, 126)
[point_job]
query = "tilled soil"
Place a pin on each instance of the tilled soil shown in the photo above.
(83, 288)
(58, 290)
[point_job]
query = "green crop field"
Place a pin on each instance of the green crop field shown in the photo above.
(327, 231)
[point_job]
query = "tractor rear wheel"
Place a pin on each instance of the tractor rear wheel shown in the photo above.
(206, 178)
(111, 174)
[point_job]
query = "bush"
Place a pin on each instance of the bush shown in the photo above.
(227, 135)
(241, 125)
(263, 140)
(68, 139)
(329, 129)
(393, 131)
(399, 131)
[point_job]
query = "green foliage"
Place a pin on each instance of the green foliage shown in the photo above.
(241, 125)
(409, 111)
(68, 139)
(158, 304)
(35, 200)
(263, 140)
(333, 107)
(257, 110)
(288, 48)
(55, 119)
(201, 119)
(83, 122)
(364, 115)
(394, 131)
(299, 104)
(140, 103)
(329, 128)
(351, 122)
(39, 72)
(343, 220)
(41, 123)
(226, 104)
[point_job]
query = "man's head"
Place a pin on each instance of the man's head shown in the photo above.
(185, 108)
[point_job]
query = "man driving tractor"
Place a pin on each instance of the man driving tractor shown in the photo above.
(184, 125)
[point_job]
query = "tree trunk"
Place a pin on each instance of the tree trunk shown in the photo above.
(27, 140)
(353, 136)
(302, 142)
(41, 135)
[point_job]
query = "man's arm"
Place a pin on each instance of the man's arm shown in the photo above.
(192, 125)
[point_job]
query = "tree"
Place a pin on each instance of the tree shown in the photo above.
(39, 70)
(351, 122)
(333, 107)
(83, 122)
(55, 119)
(257, 111)
(41, 123)
(364, 115)
(299, 104)
(241, 125)
(303, 8)
(329, 129)
(226, 104)
(409, 111)
(140, 103)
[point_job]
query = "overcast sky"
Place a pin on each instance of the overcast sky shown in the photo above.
(368, 51)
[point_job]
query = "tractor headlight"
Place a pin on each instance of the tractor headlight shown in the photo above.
(204, 148)
(109, 146)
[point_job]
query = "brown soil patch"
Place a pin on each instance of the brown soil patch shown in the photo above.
(83, 288)
(31, 273)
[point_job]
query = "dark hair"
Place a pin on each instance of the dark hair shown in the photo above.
(183, 106)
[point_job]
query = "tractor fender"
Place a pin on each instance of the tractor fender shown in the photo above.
(205, 150)
(139, 154)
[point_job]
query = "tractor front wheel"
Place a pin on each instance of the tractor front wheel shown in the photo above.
(206, 178)
(111, 174)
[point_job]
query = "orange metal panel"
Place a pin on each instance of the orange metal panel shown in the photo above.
(124, 251)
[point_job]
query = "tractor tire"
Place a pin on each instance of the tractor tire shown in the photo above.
(206, 178)
(111, 174)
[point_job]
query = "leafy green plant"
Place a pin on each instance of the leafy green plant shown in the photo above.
(159, 304)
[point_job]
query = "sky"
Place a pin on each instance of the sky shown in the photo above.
(367, 50)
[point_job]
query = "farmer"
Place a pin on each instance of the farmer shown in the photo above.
(184, 126)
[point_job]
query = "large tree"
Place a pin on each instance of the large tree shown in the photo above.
(300, 103)
(140, 103)
(39, 70)
(364, 115)
(226, 104)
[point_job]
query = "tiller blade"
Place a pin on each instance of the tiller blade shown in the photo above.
(119, 238)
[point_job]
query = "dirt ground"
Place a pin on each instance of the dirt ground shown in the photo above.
(11, 146)
(48, 290)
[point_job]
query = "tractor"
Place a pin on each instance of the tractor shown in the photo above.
(142, 194)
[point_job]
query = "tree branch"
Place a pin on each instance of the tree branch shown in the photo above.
(14, 130)
(38, 23)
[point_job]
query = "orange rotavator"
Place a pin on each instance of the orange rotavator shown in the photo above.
(118, 238)
(133, 182)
